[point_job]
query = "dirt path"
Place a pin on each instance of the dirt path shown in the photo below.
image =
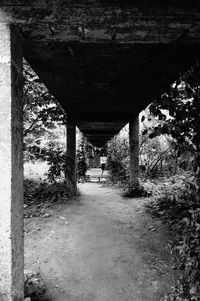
(99, 248)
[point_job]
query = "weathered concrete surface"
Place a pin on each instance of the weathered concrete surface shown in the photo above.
(106, 21)
(71, 152)
(108, 82)
(11, 166)
(134, 152)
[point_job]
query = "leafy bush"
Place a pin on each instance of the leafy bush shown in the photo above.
(117, 161)
(34, 286)
(43, 117)
(57, 161)
(180, 208)
(117, 170)
(188, 249)
(38, 196)
(46, 192)
(60, 168)
(187, 254)
(159, 151)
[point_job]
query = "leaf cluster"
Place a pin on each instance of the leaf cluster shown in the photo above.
(57, 161)
(178, 111)
(42, 114)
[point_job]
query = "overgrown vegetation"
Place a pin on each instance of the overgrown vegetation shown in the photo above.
(183, 104)
(177, 207)
(43, 117)
(170, 151)
(38, 196)
(44, 135)
(117, 161)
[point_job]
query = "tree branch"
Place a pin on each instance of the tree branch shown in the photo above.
(32, 124)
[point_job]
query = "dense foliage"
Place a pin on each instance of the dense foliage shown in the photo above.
(117, 161)
(158, 155)
(45, 130)
(183, 105)
(42, 115)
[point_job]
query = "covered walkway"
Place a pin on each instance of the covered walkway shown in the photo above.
(104, 61)
(99, 248)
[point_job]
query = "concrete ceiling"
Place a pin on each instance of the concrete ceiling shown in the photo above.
(105, 61)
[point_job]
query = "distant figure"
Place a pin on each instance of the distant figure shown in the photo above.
(103, 161)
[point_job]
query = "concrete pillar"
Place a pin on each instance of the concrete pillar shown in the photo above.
(134, 152)
(11, 166)
(71, 150)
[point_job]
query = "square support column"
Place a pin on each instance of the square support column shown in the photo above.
(134, 152)
(71, 151)
(11, 166)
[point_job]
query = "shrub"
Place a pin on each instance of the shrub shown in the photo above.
(179, 207)
(34, 286)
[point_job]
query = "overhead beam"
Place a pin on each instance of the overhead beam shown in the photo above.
(100, 126)
(109, 82)
(106, 21)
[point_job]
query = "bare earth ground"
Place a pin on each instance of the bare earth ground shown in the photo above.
(99, 247)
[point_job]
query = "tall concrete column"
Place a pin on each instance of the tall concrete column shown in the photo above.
(134, 152)
(11, 166)
(71, 150)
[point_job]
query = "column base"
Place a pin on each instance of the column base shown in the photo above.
(136, 192)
